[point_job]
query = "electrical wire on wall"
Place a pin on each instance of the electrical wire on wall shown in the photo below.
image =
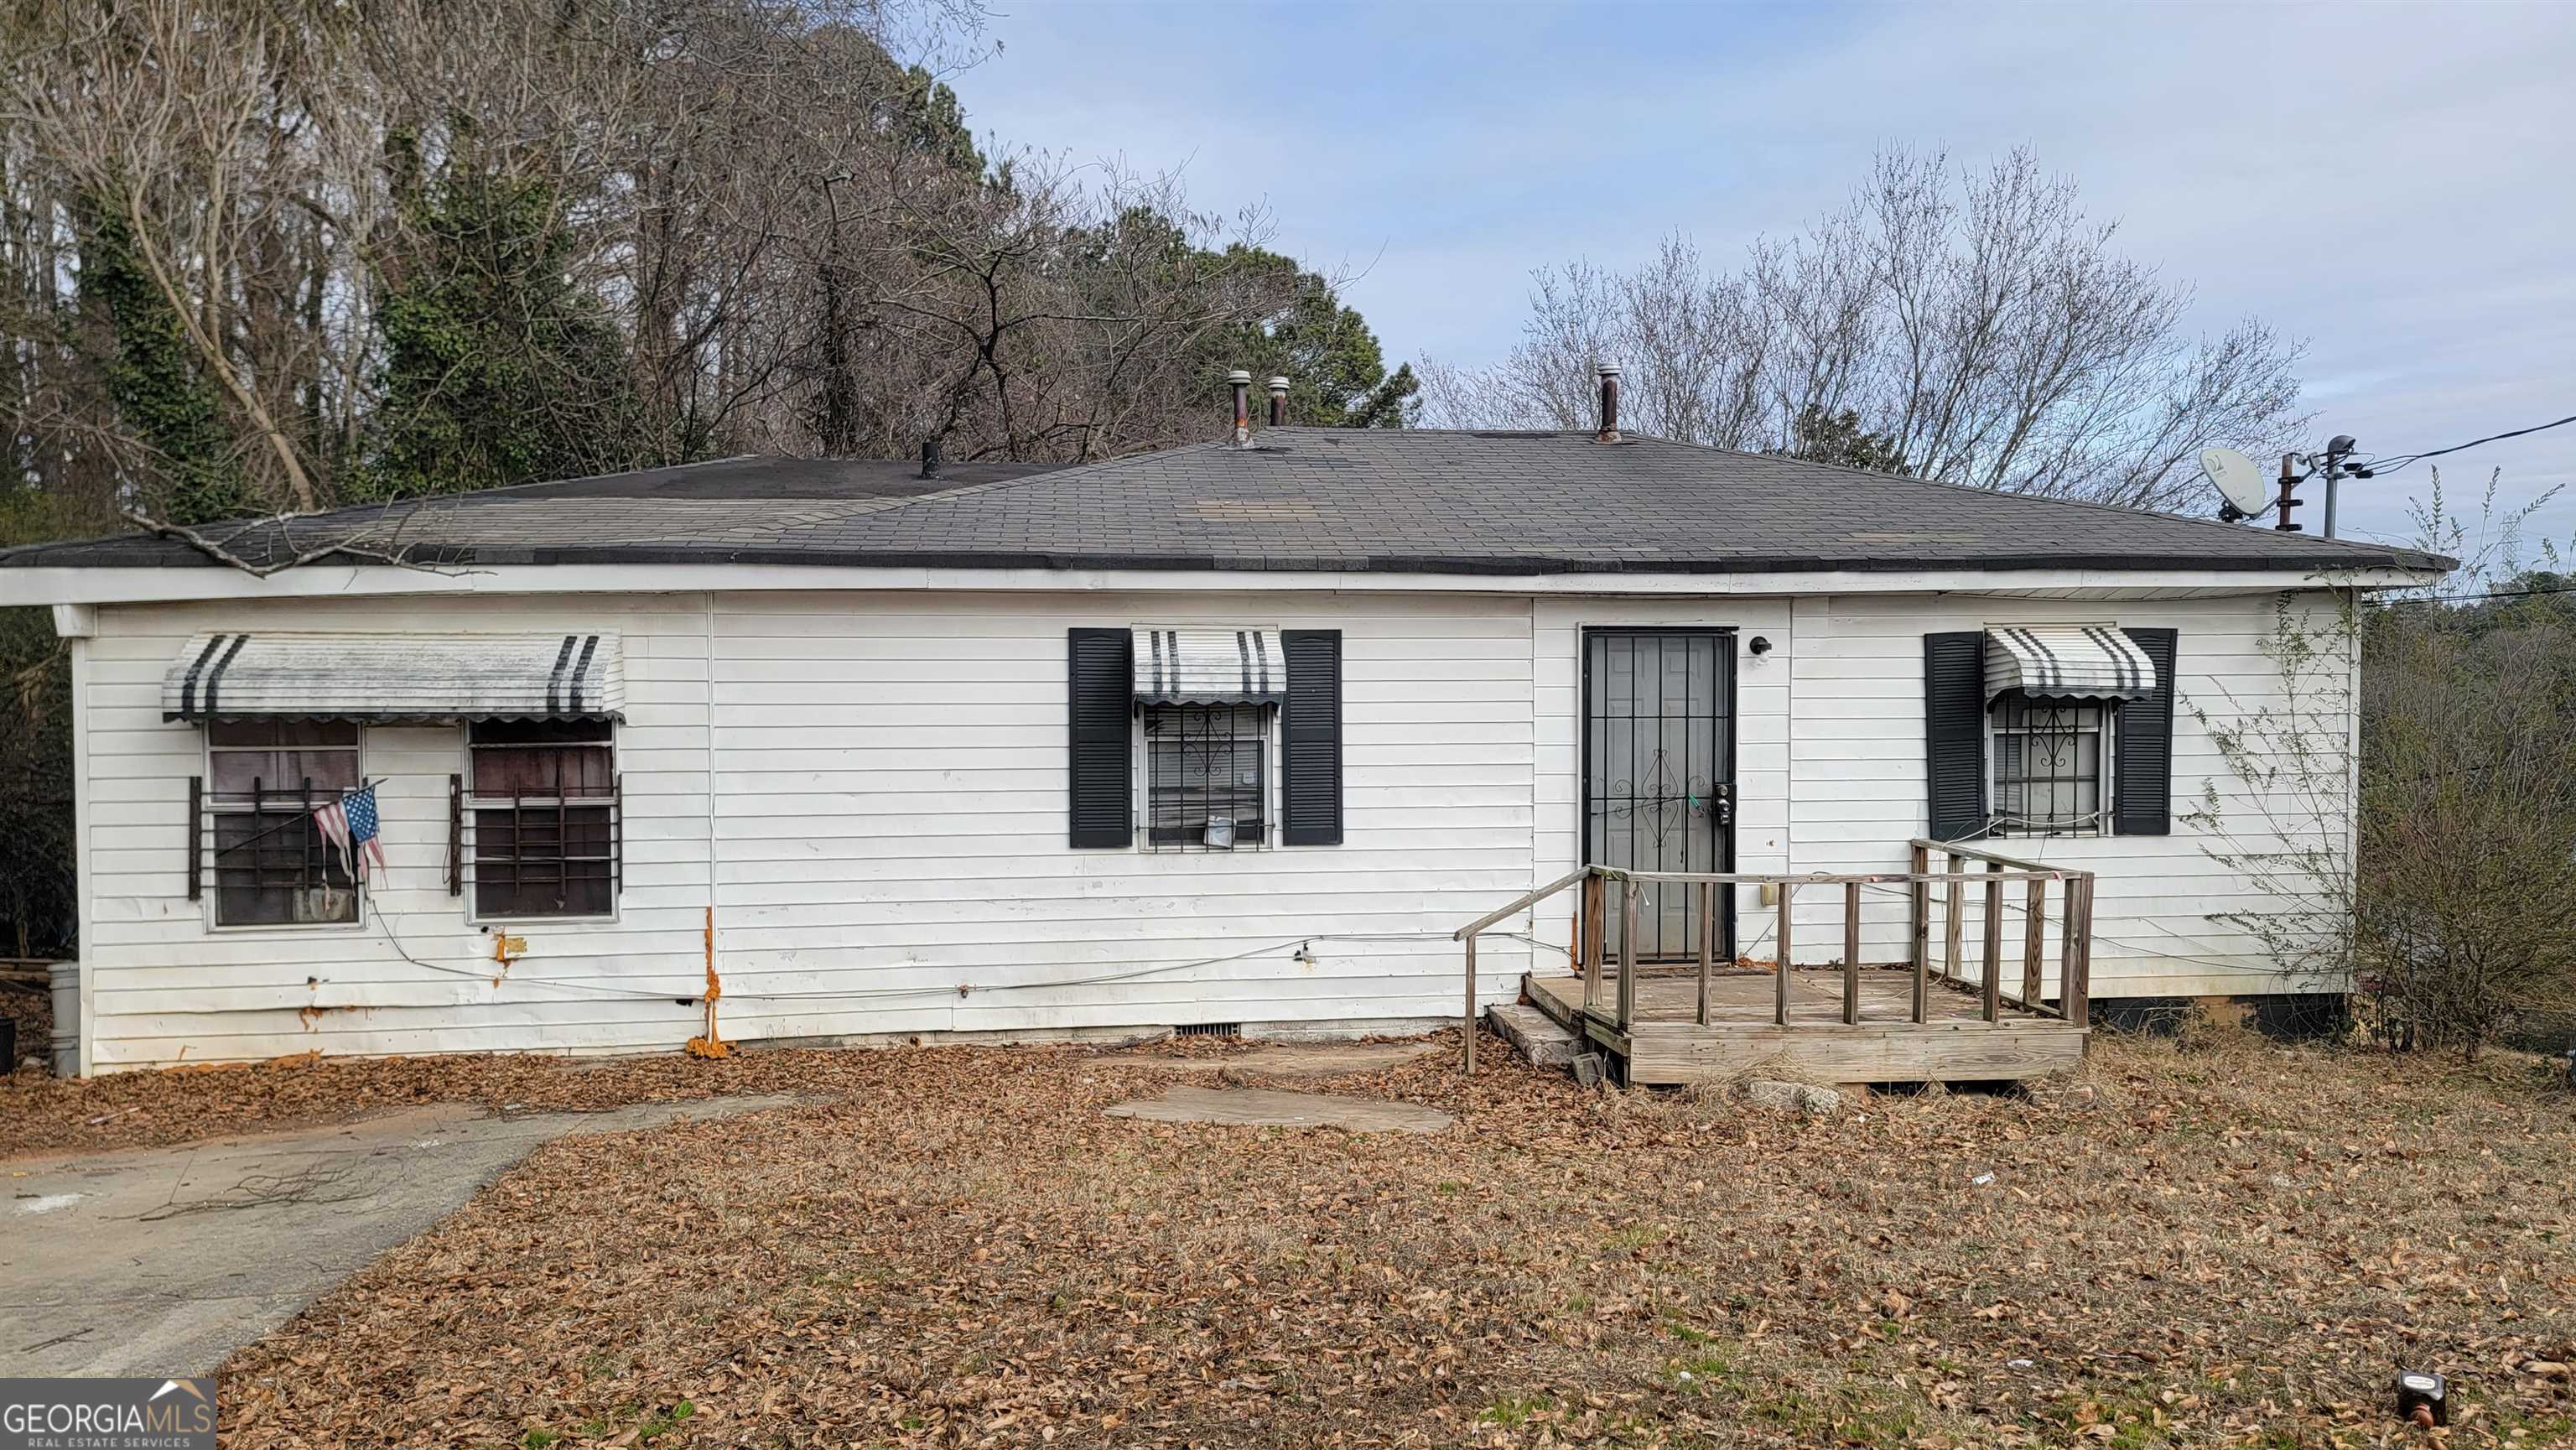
(1283, 946)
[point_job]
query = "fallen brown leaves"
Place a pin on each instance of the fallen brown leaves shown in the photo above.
(41, 1114)
(2226, 1246)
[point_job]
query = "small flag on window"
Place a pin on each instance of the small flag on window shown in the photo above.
(349, 823)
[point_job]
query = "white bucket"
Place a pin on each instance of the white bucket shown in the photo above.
(66, 984)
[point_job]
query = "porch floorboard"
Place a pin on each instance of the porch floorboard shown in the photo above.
(1668, 1047)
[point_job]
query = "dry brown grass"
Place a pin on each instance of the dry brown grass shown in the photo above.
(2234, 1244)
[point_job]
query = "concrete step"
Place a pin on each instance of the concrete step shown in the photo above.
(1536, 1034)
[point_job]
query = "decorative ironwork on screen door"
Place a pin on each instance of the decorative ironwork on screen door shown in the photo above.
(1659, 773)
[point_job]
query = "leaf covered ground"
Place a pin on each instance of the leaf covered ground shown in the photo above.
(2224, 1243)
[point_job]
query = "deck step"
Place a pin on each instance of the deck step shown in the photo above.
(1537, 1035)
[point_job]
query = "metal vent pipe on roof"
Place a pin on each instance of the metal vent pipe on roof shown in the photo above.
(1609, 373)
(1278, 402)
(930, 456)
(1242, 382)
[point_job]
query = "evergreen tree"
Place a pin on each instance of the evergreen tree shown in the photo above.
(1336, 370)
(1821, 435)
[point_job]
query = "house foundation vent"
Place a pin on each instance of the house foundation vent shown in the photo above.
(1209, 1029)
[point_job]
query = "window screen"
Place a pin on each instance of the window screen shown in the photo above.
(543, 796)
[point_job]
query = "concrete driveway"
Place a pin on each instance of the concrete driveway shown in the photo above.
(163, 1261)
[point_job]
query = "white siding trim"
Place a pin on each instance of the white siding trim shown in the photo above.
(113, 586)
(83, 815)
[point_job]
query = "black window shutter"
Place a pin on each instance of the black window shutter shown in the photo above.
(1100, 678)
(1954, 733)
(2142, 771)
(1310, 748)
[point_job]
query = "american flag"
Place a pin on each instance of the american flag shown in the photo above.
(350, 824)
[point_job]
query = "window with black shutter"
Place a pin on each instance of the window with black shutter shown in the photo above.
(1192, 715)
(1311, 738)
(2042, 730)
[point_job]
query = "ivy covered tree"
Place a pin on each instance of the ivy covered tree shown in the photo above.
(152, 378)
(498, 368)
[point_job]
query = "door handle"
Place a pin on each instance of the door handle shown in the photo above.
(1721, 806)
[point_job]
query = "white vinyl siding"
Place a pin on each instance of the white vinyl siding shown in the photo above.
(889, 822)
(1858, 759)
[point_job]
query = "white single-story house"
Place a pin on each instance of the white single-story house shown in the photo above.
(1228, 736)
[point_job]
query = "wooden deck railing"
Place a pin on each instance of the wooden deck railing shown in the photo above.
(1996, 874)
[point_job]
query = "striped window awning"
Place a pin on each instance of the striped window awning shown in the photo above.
(396, 677)
(2067, 662)
(1210, 667)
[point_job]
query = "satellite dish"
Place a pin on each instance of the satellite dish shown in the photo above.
(2238, 481)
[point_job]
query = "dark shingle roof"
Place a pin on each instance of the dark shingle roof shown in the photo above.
(715, 506)
(1364, 500)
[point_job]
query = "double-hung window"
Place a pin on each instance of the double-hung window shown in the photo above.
(272, 865)
(543, 798)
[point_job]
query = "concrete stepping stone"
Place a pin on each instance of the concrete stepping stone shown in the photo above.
(1270, 1108)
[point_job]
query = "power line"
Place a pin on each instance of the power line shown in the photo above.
(2394, 464)
(2480, 597)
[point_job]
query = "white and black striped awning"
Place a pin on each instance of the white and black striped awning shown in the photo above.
(1210, 667)
(396, 677)
(2067, 662)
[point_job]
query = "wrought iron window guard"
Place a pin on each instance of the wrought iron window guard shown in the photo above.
(282, 851)
(1207, 777)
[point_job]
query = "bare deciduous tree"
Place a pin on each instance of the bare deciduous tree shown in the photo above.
(1981, 323)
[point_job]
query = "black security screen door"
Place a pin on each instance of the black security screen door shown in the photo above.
(1659, 774)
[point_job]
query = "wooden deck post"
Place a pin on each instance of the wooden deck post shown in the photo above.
(1707, 942)
(1630, 895)
(2075, 987)
(1594, 931)
(1919, 896)
(1780, 978)
(1992, 988)
(1467, 1019)
(2034, 944)
(1952, 929)
(1851, 953)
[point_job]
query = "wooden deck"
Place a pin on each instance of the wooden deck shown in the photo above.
(1668, 1046)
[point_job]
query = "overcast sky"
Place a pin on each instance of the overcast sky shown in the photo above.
(2395, 183)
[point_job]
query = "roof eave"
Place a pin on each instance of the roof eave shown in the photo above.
(752, 569)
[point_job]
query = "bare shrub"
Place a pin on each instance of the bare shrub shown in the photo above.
(2445, 904)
